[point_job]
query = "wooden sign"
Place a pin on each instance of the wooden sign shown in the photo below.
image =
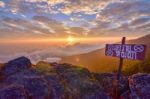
(127, 51)
(124, 51)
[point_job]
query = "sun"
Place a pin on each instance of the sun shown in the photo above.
(71, 40)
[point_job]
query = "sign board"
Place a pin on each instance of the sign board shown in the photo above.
(126, 51)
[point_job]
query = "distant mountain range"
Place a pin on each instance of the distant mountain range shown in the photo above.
(96, 61)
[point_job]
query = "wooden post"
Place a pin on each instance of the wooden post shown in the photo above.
(137, 52)
(117, 93)
(121, 61)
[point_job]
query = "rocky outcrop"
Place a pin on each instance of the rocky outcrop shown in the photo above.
(108, 83)
(21, 80)
(80, 82)
(56, 85)
(60, 81)
(140, 86)
(136, 86)
(13, 92)
(35, 85)
(16, 65)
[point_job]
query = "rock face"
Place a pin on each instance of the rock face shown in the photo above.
(80, 83)
(140, 86)
(32, 81)
(16, 65)
(57, 86)
(65, 81)
(13, 92)
(107, 81)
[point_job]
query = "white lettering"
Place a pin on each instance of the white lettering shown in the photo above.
(139, 48)
(129, 55)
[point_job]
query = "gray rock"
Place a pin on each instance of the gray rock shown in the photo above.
(13, 92)
(33, 82)
(90, 89)
(108, 81)
(56, 85)
(140, 86)
(16, 65)
(81, 85)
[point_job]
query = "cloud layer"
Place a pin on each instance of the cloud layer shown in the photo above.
(42, 18)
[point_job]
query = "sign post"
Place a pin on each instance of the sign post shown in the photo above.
(121, 60)
(124, 51)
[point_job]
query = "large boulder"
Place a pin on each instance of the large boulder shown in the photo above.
(18, 77)
(80, 83)
(33, 82)
(90, 89)
(13, 92)
(108, 82)
(57, 86)
(140, 86)
(16, 65)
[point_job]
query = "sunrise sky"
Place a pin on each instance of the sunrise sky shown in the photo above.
(54, 19)
(51, 29)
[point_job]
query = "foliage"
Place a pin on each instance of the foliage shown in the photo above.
(140, 67)
(43, 66)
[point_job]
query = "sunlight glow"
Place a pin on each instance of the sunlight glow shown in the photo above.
(71, 40)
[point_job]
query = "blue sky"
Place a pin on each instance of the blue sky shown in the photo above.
(83, 18)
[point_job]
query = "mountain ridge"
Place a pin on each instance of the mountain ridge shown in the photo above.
(96, 61)
(20, 79)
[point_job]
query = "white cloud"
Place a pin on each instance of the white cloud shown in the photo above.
(37, 32)
(55, 2)
(111, 15)
(85, 6)
(2, 4)
(14, 11)
(33, 1)
(73, 6)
